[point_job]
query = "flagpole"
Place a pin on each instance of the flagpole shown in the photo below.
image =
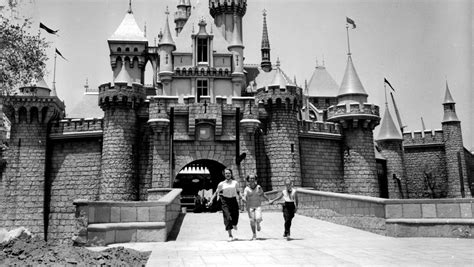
(54, 72)
(348, 44)
(397, 113)
(385, 90)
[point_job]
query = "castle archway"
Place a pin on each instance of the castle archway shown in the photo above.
(198, 179)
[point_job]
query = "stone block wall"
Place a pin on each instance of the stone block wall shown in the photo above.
(393, 152)
(321, 164)
(23, 179)
(145, 158)
(469, 156)
(423, 161)
(366, 213)
(74, 173)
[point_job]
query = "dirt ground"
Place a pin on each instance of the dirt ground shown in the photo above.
(31, 251)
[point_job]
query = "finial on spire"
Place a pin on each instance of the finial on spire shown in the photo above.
(294, 80)
(144, 30)
(317, 63)
(129, 7)
(278, 62)
(87, 84)
(324, 64)
(264, 12)
(167, 12)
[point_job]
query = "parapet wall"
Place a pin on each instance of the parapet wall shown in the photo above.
(70, 127)
(401, 218)
(427, 137)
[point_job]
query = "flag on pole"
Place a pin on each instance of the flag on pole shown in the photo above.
(59, 53)
(397, 113)
(350, 21)
(385, 80)
(423, 124)
(48, 30)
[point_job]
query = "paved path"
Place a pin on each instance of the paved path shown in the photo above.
(202, 241)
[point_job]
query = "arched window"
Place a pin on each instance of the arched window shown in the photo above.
(127, 49)
(119, 49)
(22, 115)
(34, 115)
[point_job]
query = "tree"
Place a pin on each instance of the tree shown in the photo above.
(22, 55)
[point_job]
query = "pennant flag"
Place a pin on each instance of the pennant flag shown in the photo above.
(42, 26)
(385, 80)
(350, 21)
(59, 53)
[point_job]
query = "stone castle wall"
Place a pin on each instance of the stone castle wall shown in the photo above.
(393, 153)
(74, 174)
(421, 163)
(321, 164)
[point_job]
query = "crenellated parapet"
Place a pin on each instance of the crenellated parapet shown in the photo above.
(32, 109)
(364, 115)
(288, 98)
(121, 94)
(83, 127)
(423, 138)
(217, 7)
(321, 127)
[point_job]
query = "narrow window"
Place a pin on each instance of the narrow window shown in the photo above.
(202, 89)
(202, 50)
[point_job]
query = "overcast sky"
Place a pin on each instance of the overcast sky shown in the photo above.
(416, 45)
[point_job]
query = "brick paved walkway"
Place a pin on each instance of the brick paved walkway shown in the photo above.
(202, 241)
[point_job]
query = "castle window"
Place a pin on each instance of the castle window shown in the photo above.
(127, 49)
(119, 49)
(202, 89)
(202, 51)
(135, 49)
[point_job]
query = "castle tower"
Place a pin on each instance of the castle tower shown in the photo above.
(266, 63)
(127, 47)
(182, 15)
(358, 119)
(390, 141)
(165, 48)
(237, 49)
(458, 185)
(26, 180)
(120, 102)
(282, 101)
(223, 14)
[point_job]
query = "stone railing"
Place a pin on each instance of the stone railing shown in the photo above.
(71, 128)
(106, 222)
(401, 218)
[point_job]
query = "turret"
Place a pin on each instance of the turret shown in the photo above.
(128, 46)
(389, 140)
(182, 15)
(165, 49)
(266, 63)
(282, 101)
(223, 14)
(120, 102)
(358, 119)
(458, 185)
(237, 49)
(32, 113)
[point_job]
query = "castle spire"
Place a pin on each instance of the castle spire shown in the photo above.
(351, 87)
(167, 39)
(449, 106)
(388, 129)
(266, 63)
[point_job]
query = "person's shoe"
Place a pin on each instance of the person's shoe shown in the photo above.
(258, 227)
(288, 237)
(285, 234)
(254, 237)
(231, 238)
(235, 227)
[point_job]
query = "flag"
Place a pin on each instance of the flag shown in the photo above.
(42, 26)
(350, 21)
(59, 53)
(385, 80)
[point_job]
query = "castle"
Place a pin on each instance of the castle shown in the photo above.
(208, 110)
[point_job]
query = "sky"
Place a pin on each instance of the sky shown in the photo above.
(417, 45)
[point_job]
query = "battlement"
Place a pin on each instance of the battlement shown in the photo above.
(24, 108)
(321, 127)
(77, 127)
(121, 94)
(427, 137)
(274, 97)
(217, 7)
(353, 110)
(202, 71)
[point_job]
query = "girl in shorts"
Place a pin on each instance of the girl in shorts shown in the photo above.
(252, 198)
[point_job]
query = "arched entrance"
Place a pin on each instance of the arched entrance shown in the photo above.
(199, 179)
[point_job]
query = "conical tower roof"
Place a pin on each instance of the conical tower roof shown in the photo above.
(448, 99)
(322, 83)
(167, 39)
(265, 40)
(128, 30)
(388, 129)
(123, 76)
(351, 84)
(279, 79)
